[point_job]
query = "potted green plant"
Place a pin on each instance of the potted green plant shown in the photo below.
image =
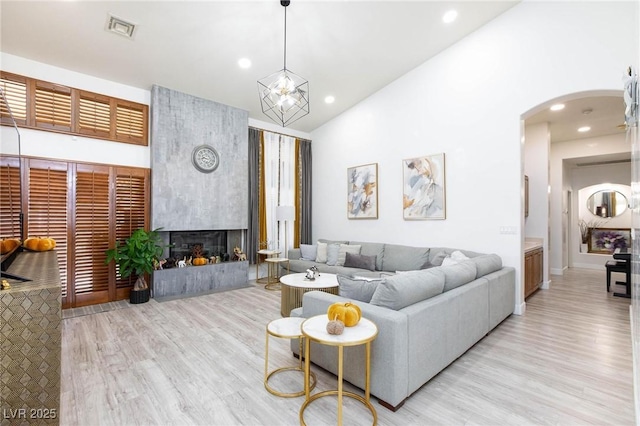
(138, 255)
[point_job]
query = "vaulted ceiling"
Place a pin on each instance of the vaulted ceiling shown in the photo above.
(346, 49)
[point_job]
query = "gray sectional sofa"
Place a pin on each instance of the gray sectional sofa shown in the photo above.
(427, 317)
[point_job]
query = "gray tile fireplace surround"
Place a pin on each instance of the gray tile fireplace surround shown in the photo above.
(194, 280)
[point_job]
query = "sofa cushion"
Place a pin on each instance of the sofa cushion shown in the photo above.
(322, 240)
(404, 258)
(371, 249)
(398, 291)
(458, 274)
(321, 252)
(344, 249)
(308, 251)
(332, 254)
(360, 261)
(487, 263)
(359, 289)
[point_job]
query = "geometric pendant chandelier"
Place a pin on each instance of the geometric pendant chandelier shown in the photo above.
(284, 95)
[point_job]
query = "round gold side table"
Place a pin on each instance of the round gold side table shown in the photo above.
(267, 253)
(285, 328)
(315, 329)
(273, 279)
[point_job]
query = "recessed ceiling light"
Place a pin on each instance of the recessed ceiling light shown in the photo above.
(584, 129)
(450, 16)
(557, 107)
(244, 63)
(329, 99)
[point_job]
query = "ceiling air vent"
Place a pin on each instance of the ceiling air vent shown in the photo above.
(120, 26)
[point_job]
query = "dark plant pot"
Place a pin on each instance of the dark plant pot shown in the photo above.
(139, 296)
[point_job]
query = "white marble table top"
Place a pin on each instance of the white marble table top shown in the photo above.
(316, 329)
(276, 259)
(288, 327)
(299, 280)
(268, 252)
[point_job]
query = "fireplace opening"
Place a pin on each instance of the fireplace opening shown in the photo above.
(211, 243)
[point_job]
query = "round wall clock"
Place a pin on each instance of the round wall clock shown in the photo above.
(205, 158)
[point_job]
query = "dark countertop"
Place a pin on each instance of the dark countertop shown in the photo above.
(40, 267)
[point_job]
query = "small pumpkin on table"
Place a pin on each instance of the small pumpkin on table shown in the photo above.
(40, 243)
(342, 315)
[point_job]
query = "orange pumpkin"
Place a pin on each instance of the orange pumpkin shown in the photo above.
(40, 244)
(9, 244)
(348, 313)
(199, 261)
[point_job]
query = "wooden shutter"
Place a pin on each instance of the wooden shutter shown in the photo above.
(47, 208)
(132, 201)
(94, 115)
(15, 90)
(52, 106)
(131, 122)
(90, 281)
(9, 198)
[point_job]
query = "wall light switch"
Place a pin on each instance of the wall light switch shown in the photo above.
(508, 230)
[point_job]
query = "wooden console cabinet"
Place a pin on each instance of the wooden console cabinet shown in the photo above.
(532, 271)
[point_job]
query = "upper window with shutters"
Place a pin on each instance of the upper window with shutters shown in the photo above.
(53, 107)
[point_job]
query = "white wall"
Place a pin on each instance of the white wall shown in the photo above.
(582, 148)
(536, 167)
(66, 147)
(467, 102)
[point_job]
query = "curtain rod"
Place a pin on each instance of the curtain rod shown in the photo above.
(278, 133)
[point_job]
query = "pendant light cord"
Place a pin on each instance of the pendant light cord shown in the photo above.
(285, 37)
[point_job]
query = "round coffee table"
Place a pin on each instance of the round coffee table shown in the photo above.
(294, 286)
(314, 329)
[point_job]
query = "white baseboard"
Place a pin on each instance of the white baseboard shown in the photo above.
(589, 266)
(557, 271)
(545, 285)
(520, 308)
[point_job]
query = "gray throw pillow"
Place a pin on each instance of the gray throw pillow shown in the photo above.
(332, 254)
(402, 290)
(357, 288)
(360, 261)
(438, 258)
(308, 251)
(458, 274)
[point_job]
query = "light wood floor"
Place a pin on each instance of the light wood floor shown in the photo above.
(200, 361)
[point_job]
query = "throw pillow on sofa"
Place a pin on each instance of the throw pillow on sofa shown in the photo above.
(308, 251)
(402, 290)
(321, 253)
(343, 250)
(332, 254)
(458, 274)
(360, 289)
(360, 261)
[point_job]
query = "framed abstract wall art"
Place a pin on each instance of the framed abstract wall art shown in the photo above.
(362, 192)
(423, 196)
(607, 240)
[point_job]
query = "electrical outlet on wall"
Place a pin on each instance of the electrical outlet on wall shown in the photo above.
(508, 230)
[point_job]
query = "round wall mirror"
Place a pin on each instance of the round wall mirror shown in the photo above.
(607, 203)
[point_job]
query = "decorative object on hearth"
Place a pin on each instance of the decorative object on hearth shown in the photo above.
(170, 263)
(362, 192)
(205, 158)
(238, 254)
(284, 95)
(137, 256)
(199, 261)
(182, 263)
(347, 312)
(423, 194)
(225, 257)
